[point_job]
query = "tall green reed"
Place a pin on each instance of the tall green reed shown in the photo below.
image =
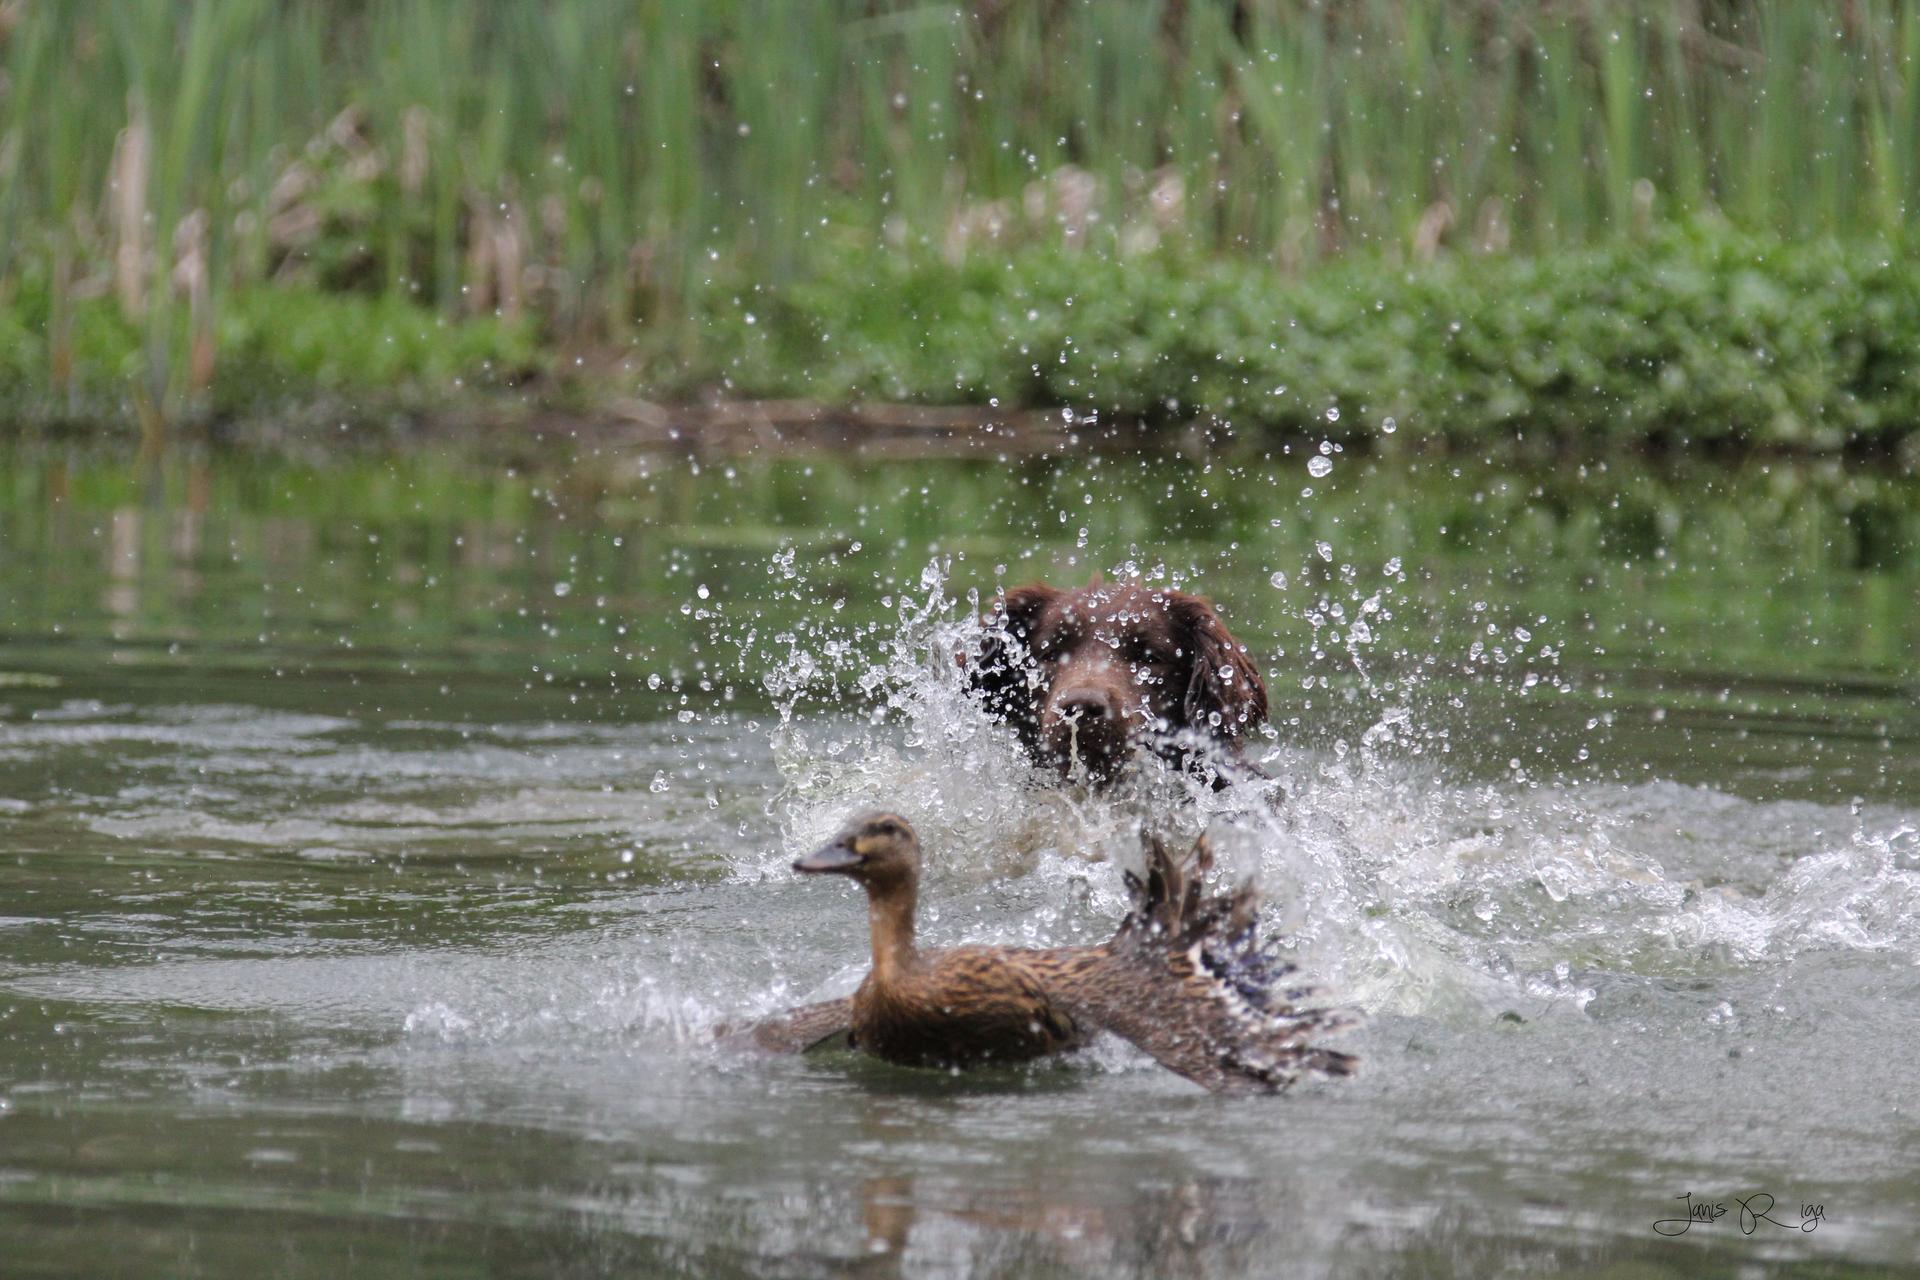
(599, 163)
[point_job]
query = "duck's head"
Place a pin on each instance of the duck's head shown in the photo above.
(877, 849)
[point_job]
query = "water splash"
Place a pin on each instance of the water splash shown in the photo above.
(1397, 886)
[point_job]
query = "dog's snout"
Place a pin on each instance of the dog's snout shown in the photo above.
(1088, 704)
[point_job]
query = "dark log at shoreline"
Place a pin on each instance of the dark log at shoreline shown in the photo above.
(741, 426)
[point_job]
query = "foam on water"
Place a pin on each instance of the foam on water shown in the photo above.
(1402, 883)
(1399, 888)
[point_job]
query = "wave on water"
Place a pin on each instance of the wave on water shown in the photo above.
(1398, 886)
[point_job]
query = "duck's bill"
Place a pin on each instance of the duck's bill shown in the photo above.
(838, 856)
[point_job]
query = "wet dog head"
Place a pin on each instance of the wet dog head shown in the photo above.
(1095, 673)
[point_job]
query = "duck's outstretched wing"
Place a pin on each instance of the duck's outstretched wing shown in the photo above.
(1192, 1010)
(797, 1030)
(1186, 980)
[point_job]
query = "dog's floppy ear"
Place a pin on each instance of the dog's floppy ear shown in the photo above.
(1003, 675)
(1225, 696)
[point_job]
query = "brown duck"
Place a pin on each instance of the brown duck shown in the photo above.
(1182, 979)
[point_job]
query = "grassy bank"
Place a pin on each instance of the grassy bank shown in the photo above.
(362, 357)
(613, 174)
(1700, 336)
(1694, 336)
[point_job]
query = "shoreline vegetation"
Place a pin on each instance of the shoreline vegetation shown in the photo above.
(1438, 223)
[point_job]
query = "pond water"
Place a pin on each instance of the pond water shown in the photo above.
(381, 836)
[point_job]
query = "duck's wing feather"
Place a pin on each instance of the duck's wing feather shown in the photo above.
(797, 1030)
(1227, 1031)
(1186, 980)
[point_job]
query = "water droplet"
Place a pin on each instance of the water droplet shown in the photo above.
(1325, 549)
(1278, 580)
(1318, 466)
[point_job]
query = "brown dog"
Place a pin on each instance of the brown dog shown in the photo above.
(1096, 673)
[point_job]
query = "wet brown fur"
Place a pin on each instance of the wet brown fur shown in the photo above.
(1100, 671)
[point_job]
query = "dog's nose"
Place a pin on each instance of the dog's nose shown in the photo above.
(1088, 705)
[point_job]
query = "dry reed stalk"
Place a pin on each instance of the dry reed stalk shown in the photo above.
(127, 181)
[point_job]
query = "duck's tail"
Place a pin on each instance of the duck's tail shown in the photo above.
(810, 1026)
(1186, 979)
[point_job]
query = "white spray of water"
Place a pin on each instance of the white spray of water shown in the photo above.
(1395, 886)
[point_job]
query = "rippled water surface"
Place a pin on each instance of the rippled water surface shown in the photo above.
(381, 838)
